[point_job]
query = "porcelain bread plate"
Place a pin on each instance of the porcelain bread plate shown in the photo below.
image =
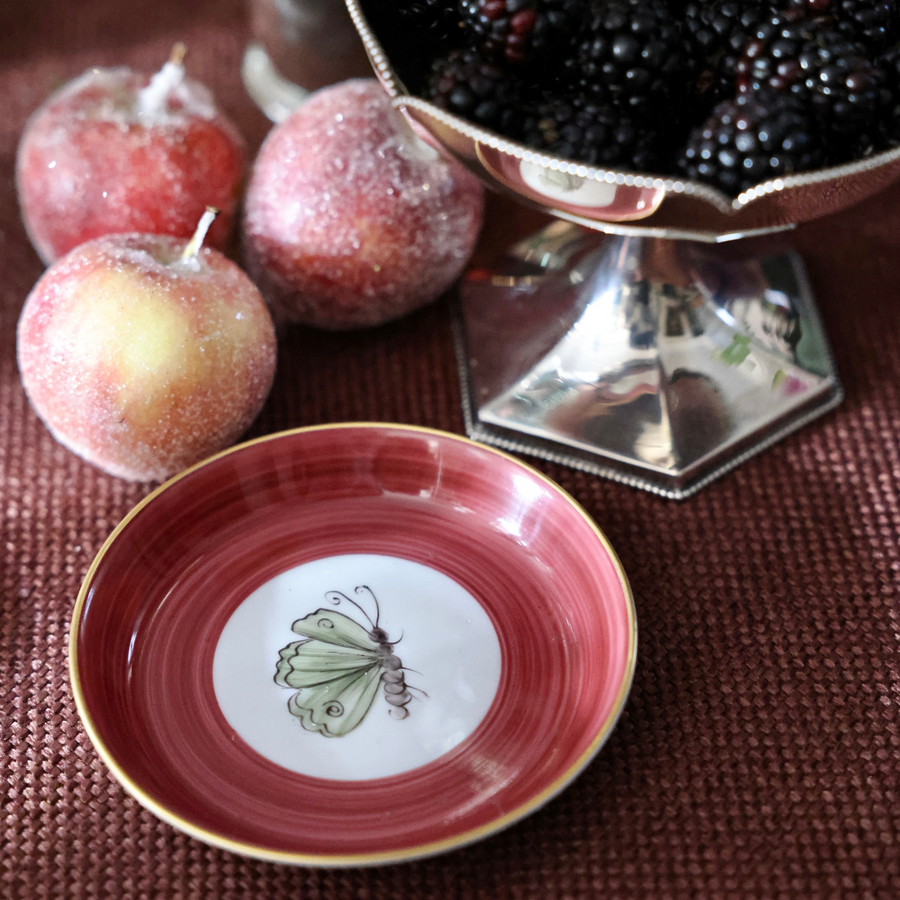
(352, 645)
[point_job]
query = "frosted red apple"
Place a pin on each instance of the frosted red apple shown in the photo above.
(115, 151)
(350, 219)
(141, 361)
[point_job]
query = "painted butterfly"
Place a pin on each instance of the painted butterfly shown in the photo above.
(337, 669)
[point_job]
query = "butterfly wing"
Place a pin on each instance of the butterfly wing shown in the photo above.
(336, 672)
(311, 662)
(332, 627)
(336, 707)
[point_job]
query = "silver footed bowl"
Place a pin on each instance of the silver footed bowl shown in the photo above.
(619, 202)
(640, 354)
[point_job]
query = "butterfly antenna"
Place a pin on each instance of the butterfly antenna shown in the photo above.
(365, 587)
(330, 595)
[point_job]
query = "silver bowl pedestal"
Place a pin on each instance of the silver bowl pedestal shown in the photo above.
(650, 361)
(621, 339)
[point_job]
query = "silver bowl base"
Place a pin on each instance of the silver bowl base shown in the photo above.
(657, 363)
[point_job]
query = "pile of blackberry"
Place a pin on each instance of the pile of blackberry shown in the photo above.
(727, 92)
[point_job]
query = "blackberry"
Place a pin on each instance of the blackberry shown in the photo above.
(469, 85)
(633, 53)
(770, 55)
(412, 33)
(437, 22)
(872, 22)
(522, 31)
(847, 89)
(887, 133)
(816, 61)
(778, 86)
(718, 31)
(756, 137)
(582, 130)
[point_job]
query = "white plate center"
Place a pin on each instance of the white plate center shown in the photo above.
(301, 660)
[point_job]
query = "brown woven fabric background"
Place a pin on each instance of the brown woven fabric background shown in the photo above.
(758, 755)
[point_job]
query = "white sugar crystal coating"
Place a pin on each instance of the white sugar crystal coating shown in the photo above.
(142, 362)
(351, 220)
(118, 91)
(94, 160)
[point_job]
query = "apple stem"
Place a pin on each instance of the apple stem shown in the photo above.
(152, 99)
(179, 51)
(196, 242)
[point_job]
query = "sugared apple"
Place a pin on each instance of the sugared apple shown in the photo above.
(115, 151)
(144, 354)
(352, 220)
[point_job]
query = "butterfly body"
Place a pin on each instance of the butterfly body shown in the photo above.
(336, 671)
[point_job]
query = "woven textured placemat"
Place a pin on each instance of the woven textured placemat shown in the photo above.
(758, 755)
